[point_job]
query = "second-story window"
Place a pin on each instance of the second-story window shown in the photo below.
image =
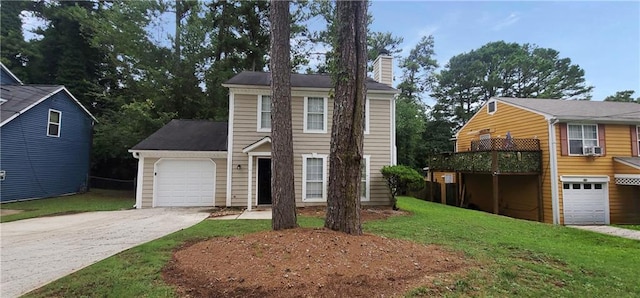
(264, 113)
(53, 123)
(580, 136)
(315, 114)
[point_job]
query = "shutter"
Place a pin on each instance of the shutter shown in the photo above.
(564, 143)
(634, 140)
(601, 139)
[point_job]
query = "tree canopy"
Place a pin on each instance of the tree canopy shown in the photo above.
(508, 70)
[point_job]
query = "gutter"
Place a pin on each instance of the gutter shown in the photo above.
(553, 166)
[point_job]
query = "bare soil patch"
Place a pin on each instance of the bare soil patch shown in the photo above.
(309, 263)
(223, 211)
(366, 212)
(9, 211)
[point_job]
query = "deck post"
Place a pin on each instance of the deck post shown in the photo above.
(494, 174)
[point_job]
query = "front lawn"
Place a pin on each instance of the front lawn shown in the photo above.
(94, 200)
(513, 257)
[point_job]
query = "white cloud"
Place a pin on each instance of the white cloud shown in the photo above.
(508, 21)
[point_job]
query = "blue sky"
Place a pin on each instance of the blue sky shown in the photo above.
(603, 38)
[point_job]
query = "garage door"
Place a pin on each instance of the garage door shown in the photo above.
(184, 182)
(584, 203)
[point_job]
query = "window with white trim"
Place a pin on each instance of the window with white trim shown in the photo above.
(314, 177)
(53, 123)
(492, 106)
(315, 114)
(364, 179)
(580, 136)
(264, 113)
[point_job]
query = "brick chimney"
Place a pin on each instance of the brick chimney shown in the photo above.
(383, 68)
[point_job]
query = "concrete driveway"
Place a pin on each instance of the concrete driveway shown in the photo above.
(37, 251)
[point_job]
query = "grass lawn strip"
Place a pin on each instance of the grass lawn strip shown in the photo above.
(94, 200)
(517, 258)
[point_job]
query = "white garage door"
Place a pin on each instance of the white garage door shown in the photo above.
(584, 203)
(184, 182)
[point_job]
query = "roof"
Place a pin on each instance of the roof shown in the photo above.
(577, 110)
(255, 78)
(630, 161)
(21, 98)
(187, 135)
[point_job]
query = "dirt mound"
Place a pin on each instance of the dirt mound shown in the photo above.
(307, 263)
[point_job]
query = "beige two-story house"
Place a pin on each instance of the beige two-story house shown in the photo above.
(203, 163)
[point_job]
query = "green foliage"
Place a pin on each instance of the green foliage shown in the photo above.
(121, 129)
(509, 70)
(623, 96)
(15, 51)
(94, 200)
(410, 127)
(413, 140)
(399, 179)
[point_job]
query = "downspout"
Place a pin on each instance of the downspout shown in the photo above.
(139, 179)
(553, 166)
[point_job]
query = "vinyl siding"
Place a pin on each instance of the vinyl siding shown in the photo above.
(521, 124)
(38, 166)
(617, 143)
(148, 180)
(6, 78)
(376, 144)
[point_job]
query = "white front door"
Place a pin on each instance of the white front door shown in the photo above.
(184, 183)
(585, 203)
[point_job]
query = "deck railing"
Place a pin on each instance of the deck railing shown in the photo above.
(496, 155)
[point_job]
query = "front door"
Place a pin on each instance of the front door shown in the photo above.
(264, 181)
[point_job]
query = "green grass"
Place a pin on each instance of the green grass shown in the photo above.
(630, 227)
(509, 257)
(95, 200)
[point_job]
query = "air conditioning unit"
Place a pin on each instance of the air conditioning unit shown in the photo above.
(592, 151)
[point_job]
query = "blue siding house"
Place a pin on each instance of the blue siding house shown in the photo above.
(45, 140)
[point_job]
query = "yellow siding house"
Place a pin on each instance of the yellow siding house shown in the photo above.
(556, 161)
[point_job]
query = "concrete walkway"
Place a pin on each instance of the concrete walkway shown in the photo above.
(611, 230)
(35, 252)
(253, 214)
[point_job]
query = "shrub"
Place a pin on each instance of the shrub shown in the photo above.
(400, 179)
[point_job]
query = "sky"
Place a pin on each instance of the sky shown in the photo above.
(602, 37)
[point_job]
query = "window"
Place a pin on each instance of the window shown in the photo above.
(264, 113)
(315, 116)
(314, 177)
(580, 136)
(364, 182)
(2, 100)
(638, 131)
(491, 107)
(53, 127)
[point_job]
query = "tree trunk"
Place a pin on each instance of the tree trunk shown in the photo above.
(282, 187)
(343, 200)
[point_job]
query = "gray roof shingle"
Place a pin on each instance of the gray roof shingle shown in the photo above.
(20, 97)
(187, 135)
(600, 111)
(255, 78)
